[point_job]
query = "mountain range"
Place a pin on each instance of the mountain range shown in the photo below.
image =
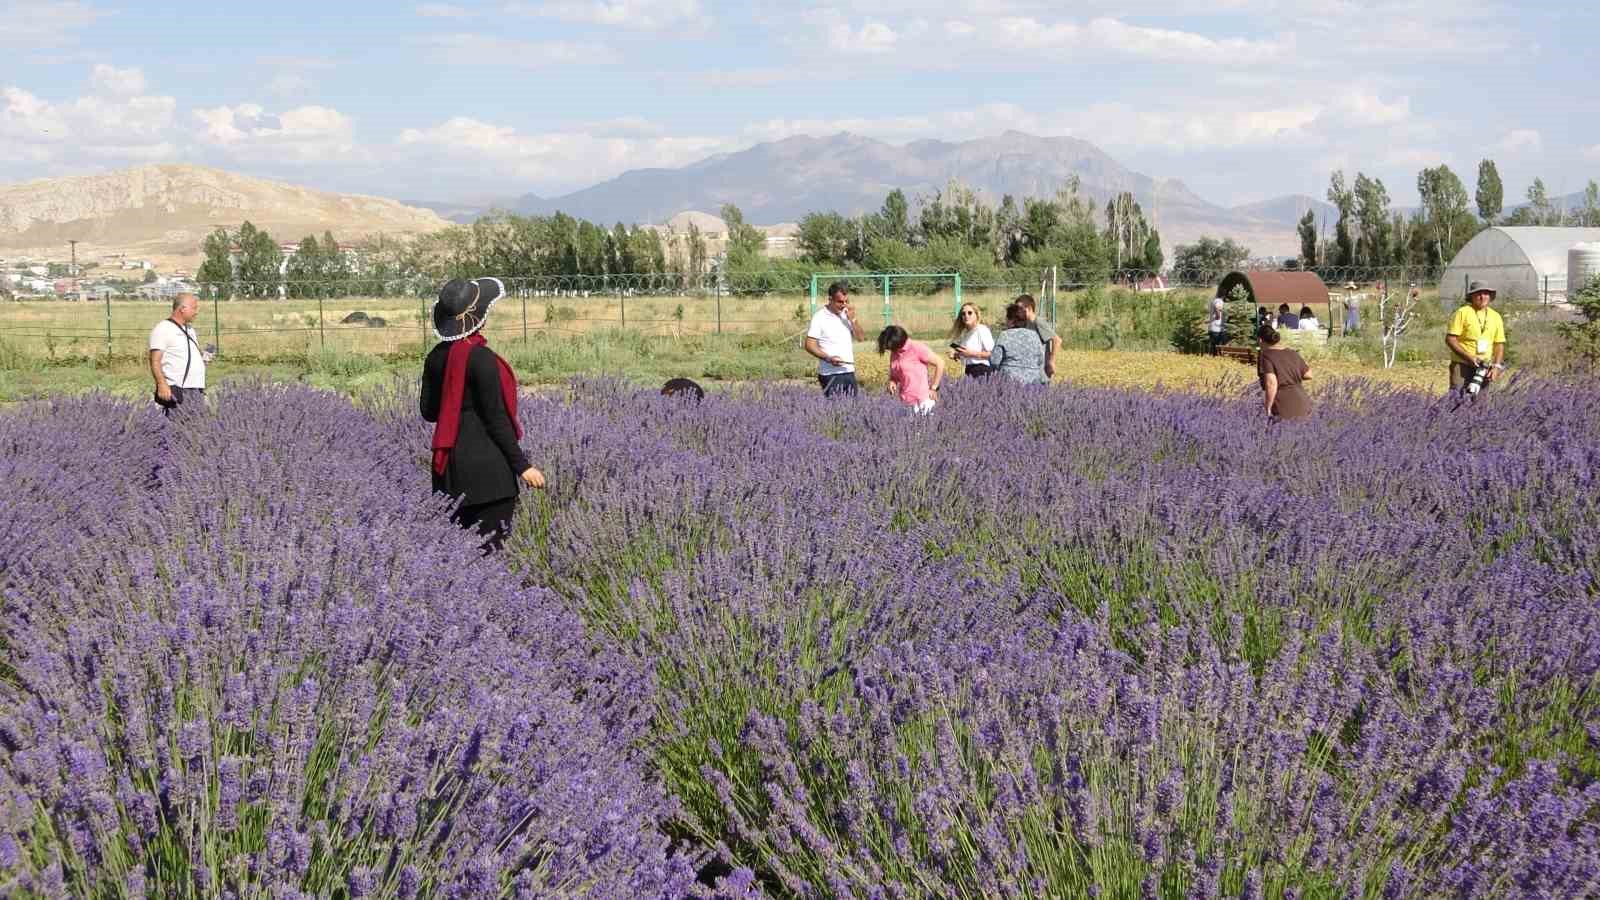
(781, 181)
(164, 211)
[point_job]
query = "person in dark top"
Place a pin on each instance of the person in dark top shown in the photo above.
(470, 394)
(683, 388)
(1282, 371)
(1287, 321)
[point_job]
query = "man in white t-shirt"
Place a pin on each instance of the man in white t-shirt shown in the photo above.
(176, 361)
(831, 339)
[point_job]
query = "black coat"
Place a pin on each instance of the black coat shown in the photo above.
(486, 461)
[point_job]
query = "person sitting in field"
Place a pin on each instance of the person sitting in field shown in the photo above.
(683, 389)
(971, 341)
(914, 370)
(1308, 319)
(1286, 321)
(1018, 353)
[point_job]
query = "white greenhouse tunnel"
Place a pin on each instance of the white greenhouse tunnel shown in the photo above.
(1521, 263)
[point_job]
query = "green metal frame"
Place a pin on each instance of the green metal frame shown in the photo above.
(887, 277)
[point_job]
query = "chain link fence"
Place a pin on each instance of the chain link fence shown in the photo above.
(391, 315)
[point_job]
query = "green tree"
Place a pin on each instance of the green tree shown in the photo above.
(1372, 218)
(1153, 258)
(1539, 210)
(1343, 199)
(303, 272)
(1126, 230)
(824, 238)
(1208, 259)
(696, 251)
(745, 241)
(1589, 215)
(1444, 207)
(895, 217)
(1491, 192)
(336, 268)
(260, 262)
(216, 271)
(1308, 239)
(1583, 337)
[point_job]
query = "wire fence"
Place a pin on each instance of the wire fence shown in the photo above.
(392, 315)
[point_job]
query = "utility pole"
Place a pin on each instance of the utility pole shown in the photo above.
(73, 270)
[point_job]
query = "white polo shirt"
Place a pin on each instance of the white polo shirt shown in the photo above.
(834, 338)
(179, 348)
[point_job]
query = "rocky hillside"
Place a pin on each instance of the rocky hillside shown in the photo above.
(167, 210)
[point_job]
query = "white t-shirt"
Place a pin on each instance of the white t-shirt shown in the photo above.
(179, 348)
(1216, 316)
(834, 338)
(979, 338)
(1309, 323)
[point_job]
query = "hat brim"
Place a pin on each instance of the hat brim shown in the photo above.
(1482, 290)
(471, 320)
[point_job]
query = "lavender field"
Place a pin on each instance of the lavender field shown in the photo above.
(1045, 643)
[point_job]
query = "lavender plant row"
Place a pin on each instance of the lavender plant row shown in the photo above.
(1074, 642)
(1045, 643)
(248, 657)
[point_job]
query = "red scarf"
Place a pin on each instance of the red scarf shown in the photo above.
(455, 381)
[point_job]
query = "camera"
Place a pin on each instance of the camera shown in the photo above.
(1475, 383)
(954, 345)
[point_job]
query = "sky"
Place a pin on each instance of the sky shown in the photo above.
(461, 102)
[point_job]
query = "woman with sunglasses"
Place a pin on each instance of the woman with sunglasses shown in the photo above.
(971, 342)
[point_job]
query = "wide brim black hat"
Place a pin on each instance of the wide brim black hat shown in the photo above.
(463, 306)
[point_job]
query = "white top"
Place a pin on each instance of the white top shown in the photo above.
(1309, 323)
(179, 348)
(834, 338)
(979, 338)
(1217, 307)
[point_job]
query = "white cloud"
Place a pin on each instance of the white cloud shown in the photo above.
(555, 159)
(443, 11)
(98, 126)
(1180, 46)
(1520, 141)
(490, 50)
(1593, 153)
(39, 23)
(643, 15)
(843, 37)
(304, 134)
(117, 82)
(1362, 108)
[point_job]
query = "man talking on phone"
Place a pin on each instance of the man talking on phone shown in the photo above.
(831, 339)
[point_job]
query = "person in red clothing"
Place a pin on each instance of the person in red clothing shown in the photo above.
(470, 394)
(915, 371)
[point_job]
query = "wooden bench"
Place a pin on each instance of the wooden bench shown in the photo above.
(1246, 355)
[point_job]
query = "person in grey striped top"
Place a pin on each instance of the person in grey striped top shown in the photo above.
(1018, 352)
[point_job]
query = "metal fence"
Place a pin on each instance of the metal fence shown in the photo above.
(391, 315)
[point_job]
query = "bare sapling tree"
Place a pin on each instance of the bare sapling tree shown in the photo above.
(1395, 316)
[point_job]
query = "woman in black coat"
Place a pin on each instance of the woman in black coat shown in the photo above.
(470, 394)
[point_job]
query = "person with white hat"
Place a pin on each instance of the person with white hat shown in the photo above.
(1217, 328)
(1352, 308)
(1476, 338)
(470, 393)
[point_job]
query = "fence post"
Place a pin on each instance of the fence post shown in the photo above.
(524, 293)
(216, 318)
(813, 293)
(719, 307)
(888, 312)
(322, 331)
(108, 325)
(623, 302)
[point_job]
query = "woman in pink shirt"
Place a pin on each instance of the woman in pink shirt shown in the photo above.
(914, 370)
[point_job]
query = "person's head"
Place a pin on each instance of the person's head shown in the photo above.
(1268, 335)
(184, 308)
(1283, 309)
(1016, 314)
(892, 339)
(1306, 313)
(967, 318)
(683, 389)
(838, 296)
(463, 307)
(1479, 295)
(1029, 308)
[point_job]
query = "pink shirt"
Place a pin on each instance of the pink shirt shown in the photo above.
(908, 371)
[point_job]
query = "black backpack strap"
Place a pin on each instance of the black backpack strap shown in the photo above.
(188, 349)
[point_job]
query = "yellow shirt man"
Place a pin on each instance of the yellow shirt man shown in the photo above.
(1476, 333)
